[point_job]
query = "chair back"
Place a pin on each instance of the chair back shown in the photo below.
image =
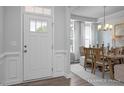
(88, 52)
(117, 50)
(98, 54)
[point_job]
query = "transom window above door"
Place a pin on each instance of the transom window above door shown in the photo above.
(38, 26)
(39, 10)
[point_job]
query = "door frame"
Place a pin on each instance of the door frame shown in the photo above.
(22, 38)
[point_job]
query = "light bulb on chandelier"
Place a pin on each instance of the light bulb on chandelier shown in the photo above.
(104, 26)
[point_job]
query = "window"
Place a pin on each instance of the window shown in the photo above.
(39, 10)
(38, 26)
(88, 35)
(72, 37)
(32, 26)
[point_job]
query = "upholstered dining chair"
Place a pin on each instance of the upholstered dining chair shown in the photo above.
(118, 51)
(119, 72)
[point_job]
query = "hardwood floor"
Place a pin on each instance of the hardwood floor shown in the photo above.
(60, 81)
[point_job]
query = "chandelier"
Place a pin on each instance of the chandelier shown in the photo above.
(104, 26)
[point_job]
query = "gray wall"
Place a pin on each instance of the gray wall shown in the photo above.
(12, 32)
(1, 29)
(1, 47)
(59, 32)
(12, 27)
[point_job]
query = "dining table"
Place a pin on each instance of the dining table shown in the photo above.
(111, 59)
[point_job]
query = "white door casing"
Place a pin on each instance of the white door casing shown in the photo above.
(37, 48)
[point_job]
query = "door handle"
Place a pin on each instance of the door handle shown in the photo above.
(25, 51)
(25, 46)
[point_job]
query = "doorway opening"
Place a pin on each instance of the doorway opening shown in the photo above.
(82, 34)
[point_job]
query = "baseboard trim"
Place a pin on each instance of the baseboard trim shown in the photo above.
(67, 75)
(58, 74)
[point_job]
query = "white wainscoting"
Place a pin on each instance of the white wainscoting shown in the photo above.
(1, 69)
(59, 63)
(13, 68)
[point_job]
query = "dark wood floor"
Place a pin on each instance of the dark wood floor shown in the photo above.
(60, 81)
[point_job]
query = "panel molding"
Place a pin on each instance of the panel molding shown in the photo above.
(59, 59)
(11, 53)
(2, 70)
(13, 68)
(59, 63)
(8, 54)
(60, 51)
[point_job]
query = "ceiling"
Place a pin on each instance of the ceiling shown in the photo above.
(95, 11)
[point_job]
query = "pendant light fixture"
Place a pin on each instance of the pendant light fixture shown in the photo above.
(104, 26)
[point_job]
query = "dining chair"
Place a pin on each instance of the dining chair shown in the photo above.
(88, 58)
(99, 60)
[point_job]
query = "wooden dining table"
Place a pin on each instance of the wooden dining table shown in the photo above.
(111, 59)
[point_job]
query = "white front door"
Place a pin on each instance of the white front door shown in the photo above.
(37, 47)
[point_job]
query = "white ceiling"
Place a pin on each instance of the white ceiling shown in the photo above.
(95, 11)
